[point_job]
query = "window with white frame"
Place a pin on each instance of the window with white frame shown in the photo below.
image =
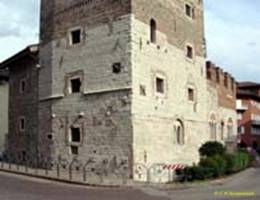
(75, 36)
(75, 135)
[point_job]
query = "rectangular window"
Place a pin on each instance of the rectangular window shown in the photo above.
(75, 36)
(142, 90)
(74, 150)
(75, 85)
(160, 85)
(22, 86)
(189, 52)
(191, 94)
(22, 124)
(188, 10)
(75, 135)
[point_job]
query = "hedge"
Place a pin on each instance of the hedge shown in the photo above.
(215, 164)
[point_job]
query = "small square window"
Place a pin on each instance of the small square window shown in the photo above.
(22, 86)
(74, 150)
(22, 124)
(189, 52)
(117, 67)
(191, 94)
(75, 135)
(160, 85)
(75, 85)
(75, 36)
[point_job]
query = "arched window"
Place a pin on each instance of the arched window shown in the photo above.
(153, 31)
(230, 128)
(179, 132)
(222, 130)
(213, 127)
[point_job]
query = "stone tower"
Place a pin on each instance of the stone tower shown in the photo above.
(121, 82)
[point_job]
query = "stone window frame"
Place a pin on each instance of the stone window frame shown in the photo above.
(74, 75)
(191, 46)
(230, 128)
(190, 16)
(193, 88)
(22, 129)
(160, 75)
(179, 136)
(191, 85)
(80, 28)
(81, 127)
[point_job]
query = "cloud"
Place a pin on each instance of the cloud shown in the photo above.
(19, 22)
(232, 32)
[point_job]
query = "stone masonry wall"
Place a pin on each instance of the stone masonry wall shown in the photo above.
(171, 19)
(103, 107)
(4, 96)
(23, 144)
(154, 115)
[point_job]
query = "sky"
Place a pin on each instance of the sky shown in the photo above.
(232, 29)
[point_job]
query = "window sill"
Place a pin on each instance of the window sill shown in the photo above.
(57, 96)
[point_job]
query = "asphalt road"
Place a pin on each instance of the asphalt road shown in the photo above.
(14, 187)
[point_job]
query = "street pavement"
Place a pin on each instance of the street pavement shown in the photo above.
(243, 186)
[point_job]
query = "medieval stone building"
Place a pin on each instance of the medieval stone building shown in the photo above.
(122, 86)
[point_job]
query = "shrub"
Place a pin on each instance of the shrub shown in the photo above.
(230, 163)
(237, 162)
(217, 164)
(241, 161)
(195, 173)
(211, 149)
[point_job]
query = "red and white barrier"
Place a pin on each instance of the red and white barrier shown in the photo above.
(174, 166)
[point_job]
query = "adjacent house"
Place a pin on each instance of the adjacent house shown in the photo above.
(4, 89)
(248, 111)
(23, 103)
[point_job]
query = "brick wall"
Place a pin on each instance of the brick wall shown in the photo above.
(224, 83)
